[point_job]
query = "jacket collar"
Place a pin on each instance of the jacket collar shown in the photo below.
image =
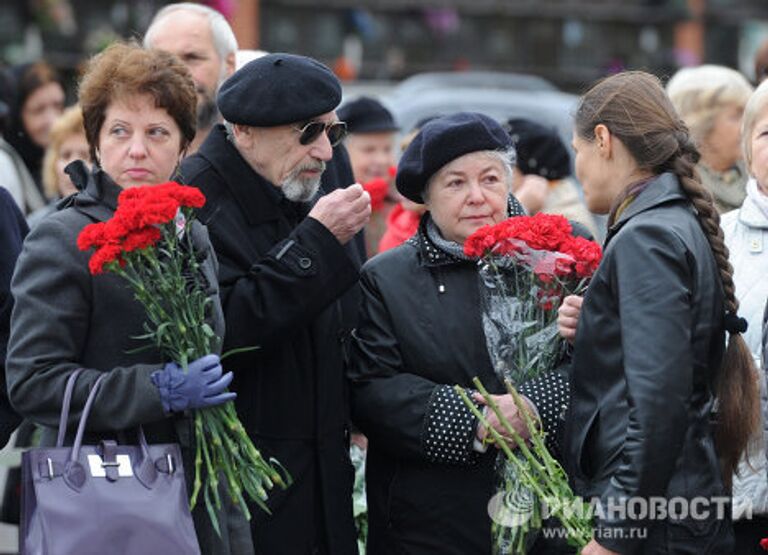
(97, 196)
(429, 253)
(750, 214)
(661, 190)
(258, 198)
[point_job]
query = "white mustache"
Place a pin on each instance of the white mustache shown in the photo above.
(319, 166)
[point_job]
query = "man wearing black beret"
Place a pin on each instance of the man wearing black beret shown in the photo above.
(371, 146)
(283, 216)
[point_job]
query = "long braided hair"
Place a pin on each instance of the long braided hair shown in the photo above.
(635, 108)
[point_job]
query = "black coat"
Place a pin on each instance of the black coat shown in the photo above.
(419, 334)
(649, 346)
(13, 229)
(289, 287)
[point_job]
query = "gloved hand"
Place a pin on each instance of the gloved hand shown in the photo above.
(202, 385)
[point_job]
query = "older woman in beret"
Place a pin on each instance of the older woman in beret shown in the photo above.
(429, 480)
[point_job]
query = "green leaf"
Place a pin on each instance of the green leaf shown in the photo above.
(239, 350)
(211, 510)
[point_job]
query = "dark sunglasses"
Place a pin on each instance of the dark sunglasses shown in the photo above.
(335, 130)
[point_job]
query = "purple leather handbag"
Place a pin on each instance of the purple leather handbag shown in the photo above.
(105, 498)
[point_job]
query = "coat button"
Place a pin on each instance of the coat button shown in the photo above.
(305, 263)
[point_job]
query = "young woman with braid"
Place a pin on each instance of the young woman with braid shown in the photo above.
(650, 356)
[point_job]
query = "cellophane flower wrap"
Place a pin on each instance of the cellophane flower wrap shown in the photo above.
(149, 243)
(527, 265)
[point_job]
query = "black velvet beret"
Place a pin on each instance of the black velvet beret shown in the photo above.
(366, 115)
(540, 150)
(442, 140)
(278, 89)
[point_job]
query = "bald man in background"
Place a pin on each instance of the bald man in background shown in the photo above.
(203, 39)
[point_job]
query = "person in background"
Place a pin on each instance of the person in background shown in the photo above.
(542, 157)
(710, 99)
(139, 117)
(371, 147)
(746, 236)
(35, 97)
(403, 219)
(650, 355)
(68, 143)
(13, 172)
(204, 41)
(402, 223)
(761, 62)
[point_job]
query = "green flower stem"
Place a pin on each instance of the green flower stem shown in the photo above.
(519, 441)
(546, 479)
(198, 460)
(162, 280)
(500, 441)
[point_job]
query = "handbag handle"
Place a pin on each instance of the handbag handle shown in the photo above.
(65, 406)
(84, 420)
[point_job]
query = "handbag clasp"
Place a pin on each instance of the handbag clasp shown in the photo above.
(121, 462)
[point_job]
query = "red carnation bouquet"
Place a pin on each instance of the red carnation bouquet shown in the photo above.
(528, 264)
(149, 242)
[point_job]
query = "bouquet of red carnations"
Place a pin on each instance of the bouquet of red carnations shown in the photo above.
(528, 264)
(149, 242)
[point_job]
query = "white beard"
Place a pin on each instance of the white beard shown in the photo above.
(297, 189)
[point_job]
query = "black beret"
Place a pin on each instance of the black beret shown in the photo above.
(366, 115)
(278, 89)
(442, 140)
(540, 150)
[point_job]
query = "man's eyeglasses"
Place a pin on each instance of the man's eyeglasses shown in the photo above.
(335, 130)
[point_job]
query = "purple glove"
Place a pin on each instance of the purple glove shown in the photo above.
(202, 385)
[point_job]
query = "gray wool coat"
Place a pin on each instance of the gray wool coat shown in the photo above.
(65, 318)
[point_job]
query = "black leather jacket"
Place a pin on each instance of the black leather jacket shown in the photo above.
(650, 343)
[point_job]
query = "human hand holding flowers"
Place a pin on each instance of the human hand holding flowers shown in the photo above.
(149, 241)
(508, 408)
(568, 317)
(203, 385)
(528, 265)
(535, 467)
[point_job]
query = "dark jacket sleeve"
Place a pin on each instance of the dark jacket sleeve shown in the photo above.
(550, 395)
(402, 412)
(294, 282)
(13, 229)
(50, 326)
(653, 281)
(424, 419)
